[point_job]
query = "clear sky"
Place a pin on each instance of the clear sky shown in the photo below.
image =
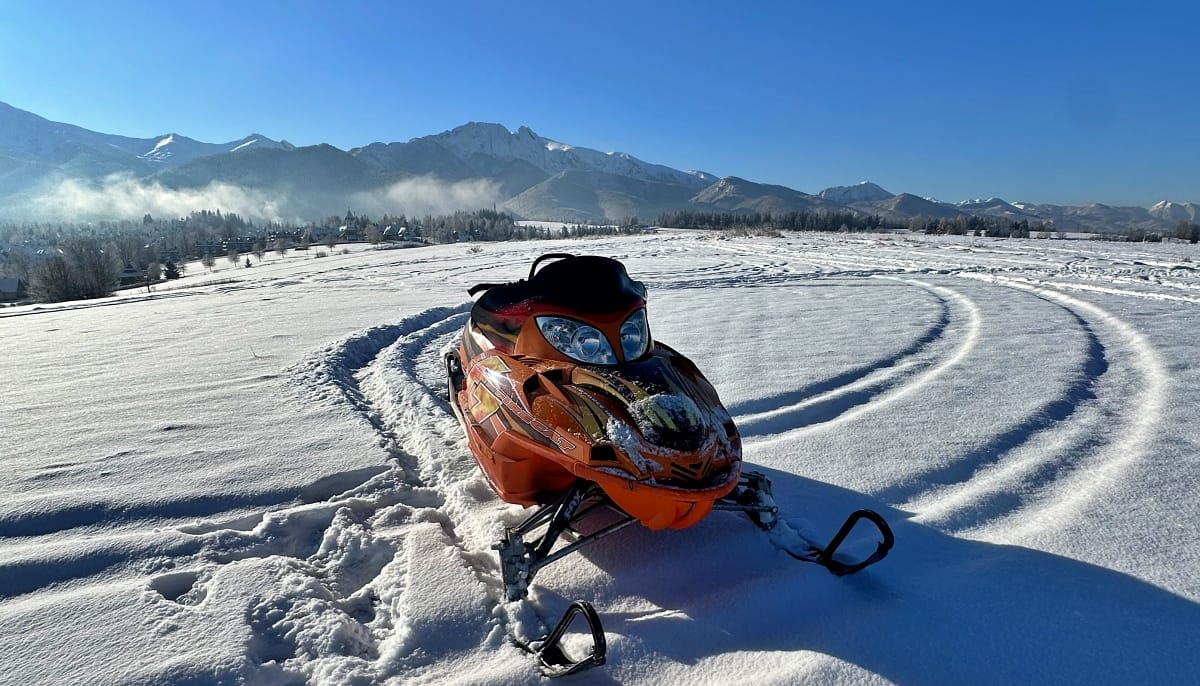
(1064, 102)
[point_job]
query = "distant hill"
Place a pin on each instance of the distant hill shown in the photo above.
(733, 194)
(532, 176)
(905, 206)
(860, 192)
(586, 196)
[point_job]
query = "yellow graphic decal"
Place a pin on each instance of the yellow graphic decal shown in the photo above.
(495, 364)
(485, 404)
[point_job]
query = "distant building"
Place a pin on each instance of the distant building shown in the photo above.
(347, 232)
(11, 289)
(396, 232)
(130, 276)
(317, 234)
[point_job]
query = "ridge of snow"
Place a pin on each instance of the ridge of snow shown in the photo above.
(169, 139)
(249, 142)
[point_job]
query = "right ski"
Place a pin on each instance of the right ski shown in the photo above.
(753, 497)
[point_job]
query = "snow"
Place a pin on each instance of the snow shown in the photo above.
(248, 143)
(249, 476)
(162, 144)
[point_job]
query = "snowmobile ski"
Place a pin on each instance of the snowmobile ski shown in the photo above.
(753, 496)
(552, 659)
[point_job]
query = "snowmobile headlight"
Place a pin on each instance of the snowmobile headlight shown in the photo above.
(635, 336)
(577, 340)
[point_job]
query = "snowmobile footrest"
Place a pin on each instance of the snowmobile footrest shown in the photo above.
(553, 661)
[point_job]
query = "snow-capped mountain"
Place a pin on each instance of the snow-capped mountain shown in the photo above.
(1174, 211)
(579, 195)
(520, 171)
(174, 149)
(26, 136)
(906, 205)
(996, 207)
(473, 143)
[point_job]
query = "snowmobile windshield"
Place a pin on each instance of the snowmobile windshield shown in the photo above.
(584, 284)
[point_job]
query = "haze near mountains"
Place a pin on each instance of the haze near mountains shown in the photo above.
(57, 171)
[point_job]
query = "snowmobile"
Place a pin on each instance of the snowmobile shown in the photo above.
(570, 407)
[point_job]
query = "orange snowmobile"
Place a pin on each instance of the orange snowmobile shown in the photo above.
(570, 406)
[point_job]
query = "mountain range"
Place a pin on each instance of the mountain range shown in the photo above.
(471, 166)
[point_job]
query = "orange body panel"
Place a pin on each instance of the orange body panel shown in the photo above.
(531, 457)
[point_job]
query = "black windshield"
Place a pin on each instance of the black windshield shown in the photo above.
(584, 284)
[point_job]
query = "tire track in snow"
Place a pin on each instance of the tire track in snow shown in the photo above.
(342, 586)
(859, 391)
(824, 401)
(992, 479)
(405, 385)
(333, 373)
(394, 577)
(871, 394)
(1138, 411)
(986, 485)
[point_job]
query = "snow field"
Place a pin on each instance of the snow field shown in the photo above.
(258, 481)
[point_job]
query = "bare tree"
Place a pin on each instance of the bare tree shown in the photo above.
(233, 257)
(82, 269)
(19, 264)
(51, 281)
(281, 246)
(208, 261)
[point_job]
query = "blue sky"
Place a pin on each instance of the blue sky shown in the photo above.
(1041, 102)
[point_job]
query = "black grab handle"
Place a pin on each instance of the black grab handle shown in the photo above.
(825, 556)
(532, 269)
(547, 256)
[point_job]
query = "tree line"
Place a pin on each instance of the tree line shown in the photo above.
(783, 221)
(71, 262)
(960, 225)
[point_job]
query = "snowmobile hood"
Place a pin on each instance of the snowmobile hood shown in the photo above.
(657, 420)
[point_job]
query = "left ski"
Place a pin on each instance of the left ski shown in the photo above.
(552, 659)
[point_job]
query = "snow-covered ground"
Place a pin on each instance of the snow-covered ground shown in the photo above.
(250, 477)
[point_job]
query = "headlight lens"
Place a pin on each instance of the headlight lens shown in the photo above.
(577, 340)
(635, 336)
